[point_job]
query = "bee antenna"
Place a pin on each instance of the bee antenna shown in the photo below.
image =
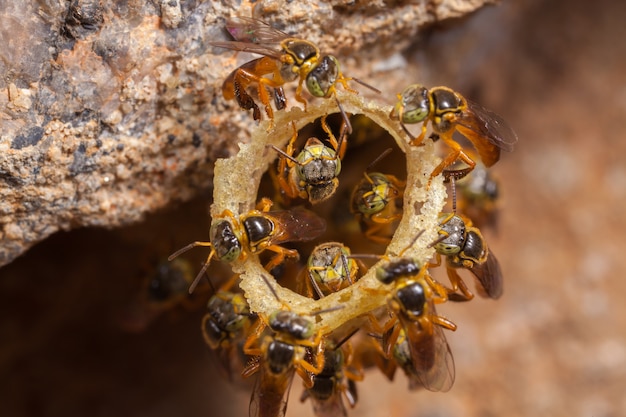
(346, 338)
(267, 282)
(417, 236)
(438, 240)
(198, 277)
(285, 154)
(181, 251)
(378, 158)
(364, 256)
(327, 310)
(344, 261)
(453, 186)
(364, 84)
(315, 286)
(345, 116)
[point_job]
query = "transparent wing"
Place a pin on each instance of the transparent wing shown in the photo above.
(489, 125)
(330, 407)
(250, 30)
(296, 225)
(271, 393)
(489, 275)
(248, 47)
(431, 359)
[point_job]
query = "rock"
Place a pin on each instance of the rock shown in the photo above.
(113, 111)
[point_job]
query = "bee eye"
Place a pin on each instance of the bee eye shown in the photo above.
(415, 116)
(232, 254)
(225, 241)
(414, 104)
(323, 77)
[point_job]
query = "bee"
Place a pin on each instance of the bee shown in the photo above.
(377, 202)
(163, 290)
(283, 352)
(448, 111)
(330, 269)
(464, 247)
(284, 59)
(234, 86)
(336, 381)
(233, 238)
(224, 326)
(313, 173)
(426, 355)
(168, 285)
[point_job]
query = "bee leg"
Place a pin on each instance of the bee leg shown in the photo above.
(286, 160)
(418, 140)
(253, 338)
(390, 336)
(456, 153)
(264, 205)
(280, 101)
(387, 366)
(344, 82)
(458, 284)
(443, 322)
(375, 231)
(353, 372)
(373, 234)
(307, 377)
(318, 366)
(281, 254)
(264, 96)
(230, 283)
(299, 97)
(244, 99)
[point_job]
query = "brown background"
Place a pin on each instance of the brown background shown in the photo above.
(553, 345)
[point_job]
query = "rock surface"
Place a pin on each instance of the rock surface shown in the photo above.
(111, 111)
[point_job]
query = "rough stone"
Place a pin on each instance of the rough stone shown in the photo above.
(113, 110)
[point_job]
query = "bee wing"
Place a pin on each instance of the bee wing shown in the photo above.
(330, 407)
(248, 47)
(271, 393)
(489, 125)
(489, 275)
(296, 225)
(250, 30)
(431, 358)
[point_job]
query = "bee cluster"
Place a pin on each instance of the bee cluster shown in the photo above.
(329, 318)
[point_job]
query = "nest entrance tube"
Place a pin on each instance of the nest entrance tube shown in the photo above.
(237, 181)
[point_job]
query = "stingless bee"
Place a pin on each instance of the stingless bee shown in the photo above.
(330, 269)
(335, 382)
(311, 175)
(414, 336)
(465, 247)
(284, 59)
(224, 328)
(233, 238)
(377, 202)
(292, 345)
(448, 111)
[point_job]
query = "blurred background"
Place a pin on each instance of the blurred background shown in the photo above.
(553, 345)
